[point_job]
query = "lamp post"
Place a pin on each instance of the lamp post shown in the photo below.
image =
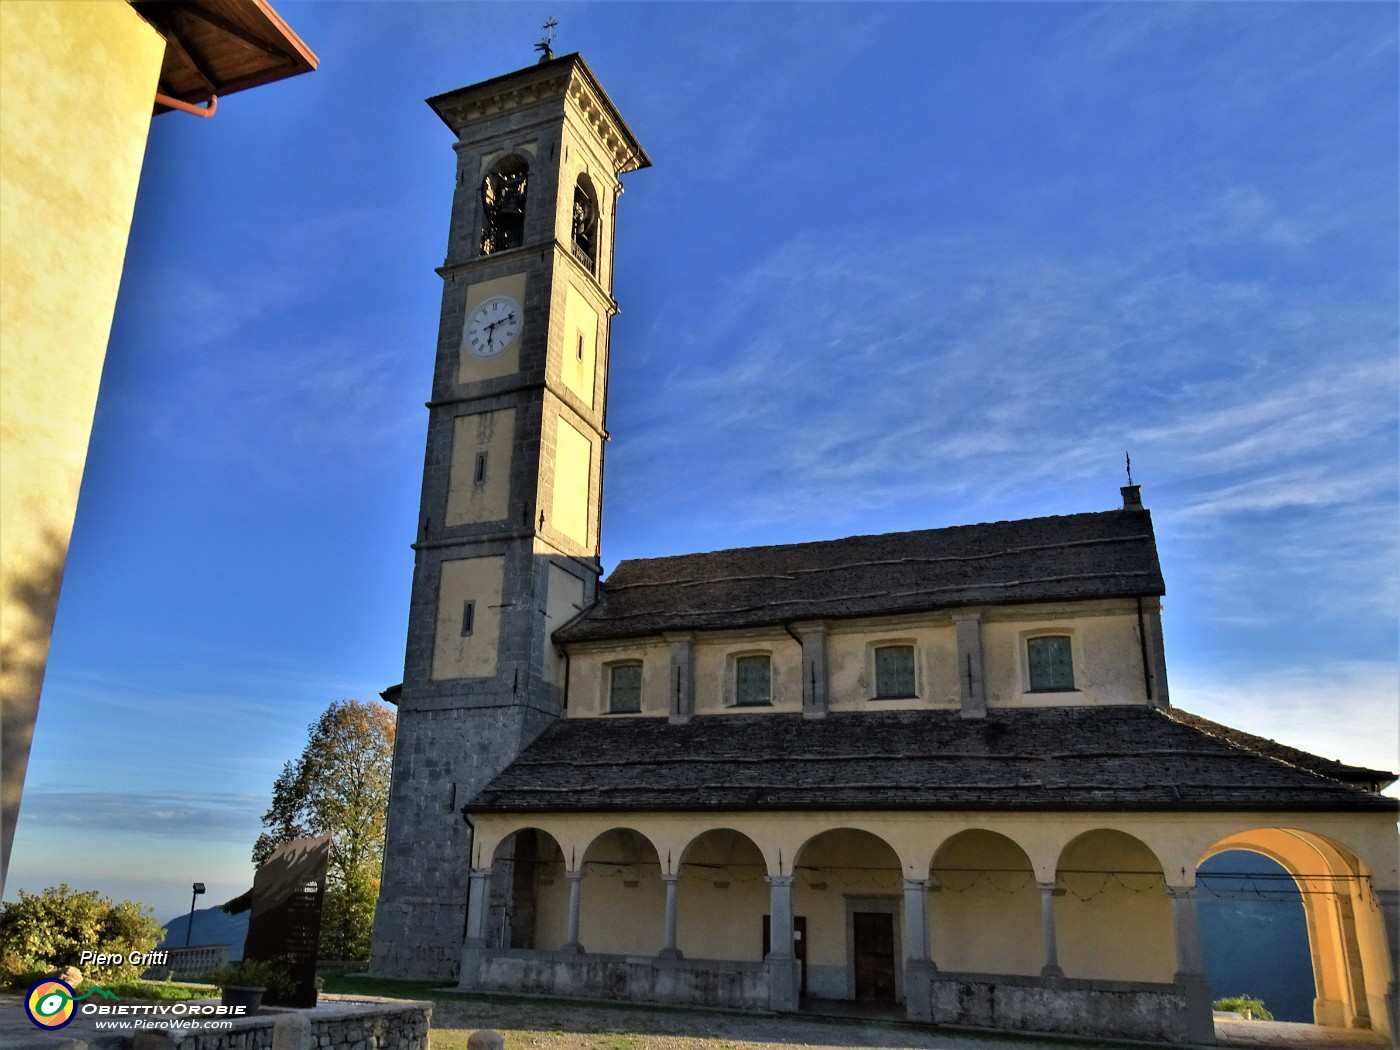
(189, 928)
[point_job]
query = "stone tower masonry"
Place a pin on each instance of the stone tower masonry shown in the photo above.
(507, 546)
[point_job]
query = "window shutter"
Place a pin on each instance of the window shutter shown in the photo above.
(1051, 666)
(753, 680)
(625, 693)
(894, 671)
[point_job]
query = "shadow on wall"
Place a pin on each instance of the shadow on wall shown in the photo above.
(30, 599)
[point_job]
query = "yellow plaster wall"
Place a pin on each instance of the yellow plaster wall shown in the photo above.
(468, 656)
(473, 369)
(1105, 649)
(77, 80)
(578, 355)
(562, 603)
(985, 908)
(851, 664)
(714, 670)
(722, 921)
(573, 458)
(1113, 926)
(616, 918)
(469, 501)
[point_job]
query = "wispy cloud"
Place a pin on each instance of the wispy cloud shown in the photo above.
(1319, 709)
(201, 817)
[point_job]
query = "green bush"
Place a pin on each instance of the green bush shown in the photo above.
(1245, 1004)
(44, 932)
(275, 976)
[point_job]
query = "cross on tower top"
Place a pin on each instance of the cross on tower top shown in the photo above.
(546, 46)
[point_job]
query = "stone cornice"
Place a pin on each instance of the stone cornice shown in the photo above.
(568, 78)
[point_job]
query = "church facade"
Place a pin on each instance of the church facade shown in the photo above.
(936, 770)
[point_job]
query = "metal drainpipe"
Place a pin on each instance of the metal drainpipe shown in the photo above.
(206, 111)
(1142, 645)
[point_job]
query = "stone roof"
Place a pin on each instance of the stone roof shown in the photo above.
(1061, 758)
(1109, 554)
(1374, 779)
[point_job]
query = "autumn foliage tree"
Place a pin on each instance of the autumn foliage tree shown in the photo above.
(339, 787)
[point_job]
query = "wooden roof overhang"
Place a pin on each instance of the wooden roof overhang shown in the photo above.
(216, 47)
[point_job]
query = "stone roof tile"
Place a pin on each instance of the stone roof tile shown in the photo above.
(1109, 554)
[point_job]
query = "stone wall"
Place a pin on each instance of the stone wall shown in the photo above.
(690, 982)
(334, 1025)
(1101, 1009)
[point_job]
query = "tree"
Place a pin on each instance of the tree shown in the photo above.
(339, 787)
(45, 932)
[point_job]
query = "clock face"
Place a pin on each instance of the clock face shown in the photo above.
(492, 326)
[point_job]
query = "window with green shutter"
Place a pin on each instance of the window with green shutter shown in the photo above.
(753, 684)
(1051, 667)
(894, 672)
(625, 689)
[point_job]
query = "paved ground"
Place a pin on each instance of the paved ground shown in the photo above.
(554, 1024)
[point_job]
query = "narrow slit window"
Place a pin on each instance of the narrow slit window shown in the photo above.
(580, 346)
(625, 689)
(479, 471)
(1050, 663)
(894, 672)
(753, 684)
(468, 616)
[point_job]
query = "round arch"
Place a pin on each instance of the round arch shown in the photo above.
(623, 900)
(848, 907)
(1113, 918)
(529, 898)
(722, 897)
(1346, 937)
(984, 905)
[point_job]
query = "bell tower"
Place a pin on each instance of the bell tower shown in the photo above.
(507, 546)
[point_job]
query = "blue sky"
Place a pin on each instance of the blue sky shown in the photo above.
(896, 266)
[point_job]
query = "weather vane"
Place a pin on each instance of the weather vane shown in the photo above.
(1128, 462)
(545, 47)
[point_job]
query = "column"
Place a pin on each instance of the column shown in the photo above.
(1048, 892)
(575, 878)
(971, 686)
(918, 967)
(672, 887)
(681, 687)
(782, 965)
(474, 944)
(1389, 900)
(1190, 968)
(815, 694)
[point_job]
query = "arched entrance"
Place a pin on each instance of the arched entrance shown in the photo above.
(1254, 935)
(847, 898)
(1345, 934)
(529, 898)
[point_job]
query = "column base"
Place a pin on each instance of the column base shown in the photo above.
(670, 954)
(473, 954)
(572, 948)
(918, 997)
(1051, 971)
(782, 995)
(1200, 1012)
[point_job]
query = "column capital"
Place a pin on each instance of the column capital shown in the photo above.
(480, 873)
(911, 885)
(963, 615)
(1183, 892)
(672, 878)
(1052, 888)
(574, 876)
(779, 880)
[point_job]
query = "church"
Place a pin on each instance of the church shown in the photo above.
(937, 773)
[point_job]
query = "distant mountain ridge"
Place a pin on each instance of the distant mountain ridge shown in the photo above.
(211, 926)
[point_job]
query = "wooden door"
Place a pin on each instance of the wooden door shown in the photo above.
(874, 955)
